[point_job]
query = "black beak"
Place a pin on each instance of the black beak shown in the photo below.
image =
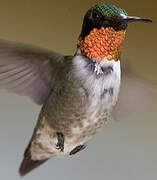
(133, 19)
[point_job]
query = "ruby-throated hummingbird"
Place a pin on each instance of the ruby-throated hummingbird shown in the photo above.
(77, 92)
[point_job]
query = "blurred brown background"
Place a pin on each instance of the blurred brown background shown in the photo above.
(56, 25)
(125, 150)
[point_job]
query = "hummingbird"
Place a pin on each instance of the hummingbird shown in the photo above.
(77, 93)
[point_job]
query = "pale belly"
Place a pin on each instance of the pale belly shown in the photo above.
(96, 115)
(76, 117)
(82, 128)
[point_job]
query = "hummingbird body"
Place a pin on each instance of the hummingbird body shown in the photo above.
(77, 92)
(77, 108)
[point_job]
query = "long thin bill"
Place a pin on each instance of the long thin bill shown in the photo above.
(134, 19)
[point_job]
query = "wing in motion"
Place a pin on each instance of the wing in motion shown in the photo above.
(136, 96)
(28, 70)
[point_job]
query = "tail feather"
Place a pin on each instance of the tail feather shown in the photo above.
(28, 164)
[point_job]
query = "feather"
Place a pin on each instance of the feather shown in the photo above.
(28, 70)
(28, 164)
(136, 96)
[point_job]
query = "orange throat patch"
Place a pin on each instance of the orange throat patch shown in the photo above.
(102, 43)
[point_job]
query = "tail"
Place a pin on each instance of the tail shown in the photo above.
(28, 164)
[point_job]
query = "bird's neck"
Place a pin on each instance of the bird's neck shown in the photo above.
(102, 43)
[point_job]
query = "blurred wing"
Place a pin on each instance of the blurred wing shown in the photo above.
(28, 70)
(136, 96)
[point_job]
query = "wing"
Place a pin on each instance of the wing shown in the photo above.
(136, 96)
(28, 70)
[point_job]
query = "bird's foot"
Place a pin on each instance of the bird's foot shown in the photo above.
(77, 149)
(60, 144)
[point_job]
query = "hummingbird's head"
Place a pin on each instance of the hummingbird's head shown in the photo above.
(103, 31)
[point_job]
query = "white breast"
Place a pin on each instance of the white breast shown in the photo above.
(97, 85)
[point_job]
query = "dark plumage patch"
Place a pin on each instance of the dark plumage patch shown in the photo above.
(107, 91)
(60, 144)
(107, 70)
(96, 67)
(77, 149)
(111, 91)
(90, 64)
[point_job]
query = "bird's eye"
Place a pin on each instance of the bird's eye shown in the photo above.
(95, 16)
